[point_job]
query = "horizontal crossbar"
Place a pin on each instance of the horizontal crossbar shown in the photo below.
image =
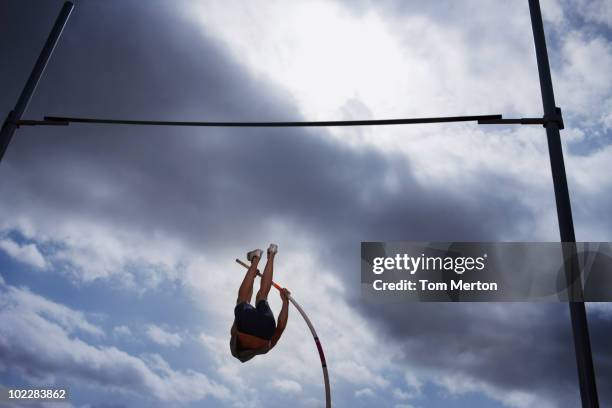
(379, 122)
(480, 119)
(519, 121)
(41, 123)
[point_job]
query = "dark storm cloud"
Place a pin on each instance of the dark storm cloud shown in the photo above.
(520, 347)
(192, 181)
(211, 187)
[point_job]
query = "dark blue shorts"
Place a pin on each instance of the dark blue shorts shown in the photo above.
(257, 321)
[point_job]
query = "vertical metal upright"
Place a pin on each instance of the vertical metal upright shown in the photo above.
(553, 122)
(11, 122)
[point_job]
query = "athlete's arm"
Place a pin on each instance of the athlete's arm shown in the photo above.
(283, 316)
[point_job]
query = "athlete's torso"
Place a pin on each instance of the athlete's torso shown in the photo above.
(247, 341)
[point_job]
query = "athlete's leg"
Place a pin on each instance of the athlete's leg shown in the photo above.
(266, 278)
(246, 288)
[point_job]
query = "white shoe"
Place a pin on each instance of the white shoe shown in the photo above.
(254, 253)
(272, 249)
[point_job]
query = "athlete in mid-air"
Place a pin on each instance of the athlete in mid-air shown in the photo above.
(254, 330)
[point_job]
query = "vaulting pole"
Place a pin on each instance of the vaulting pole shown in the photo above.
(314, 335)
(11, 123)
(580, 329)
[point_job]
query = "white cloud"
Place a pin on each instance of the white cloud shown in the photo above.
(94, 250)
(402, 395)
(287, 386)
(44, 351)
(379, 57)
(356, 373)
(365, 392)
(582, 81)
(163, 337)
(413, 382)
(598, 11)
(589, 183)
(86, 250)
(33, 305)
(26, 253)
(122, 330)
(603, 309)
(462, 384)
(552, 11)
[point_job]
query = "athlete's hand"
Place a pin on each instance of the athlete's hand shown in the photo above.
(284, 294)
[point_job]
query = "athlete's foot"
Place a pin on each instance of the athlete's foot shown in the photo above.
(254, 255)
(272, 250)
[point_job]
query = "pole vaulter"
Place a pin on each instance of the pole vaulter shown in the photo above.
(314, 335)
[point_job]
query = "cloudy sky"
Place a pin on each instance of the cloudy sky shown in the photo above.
(117, 243)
